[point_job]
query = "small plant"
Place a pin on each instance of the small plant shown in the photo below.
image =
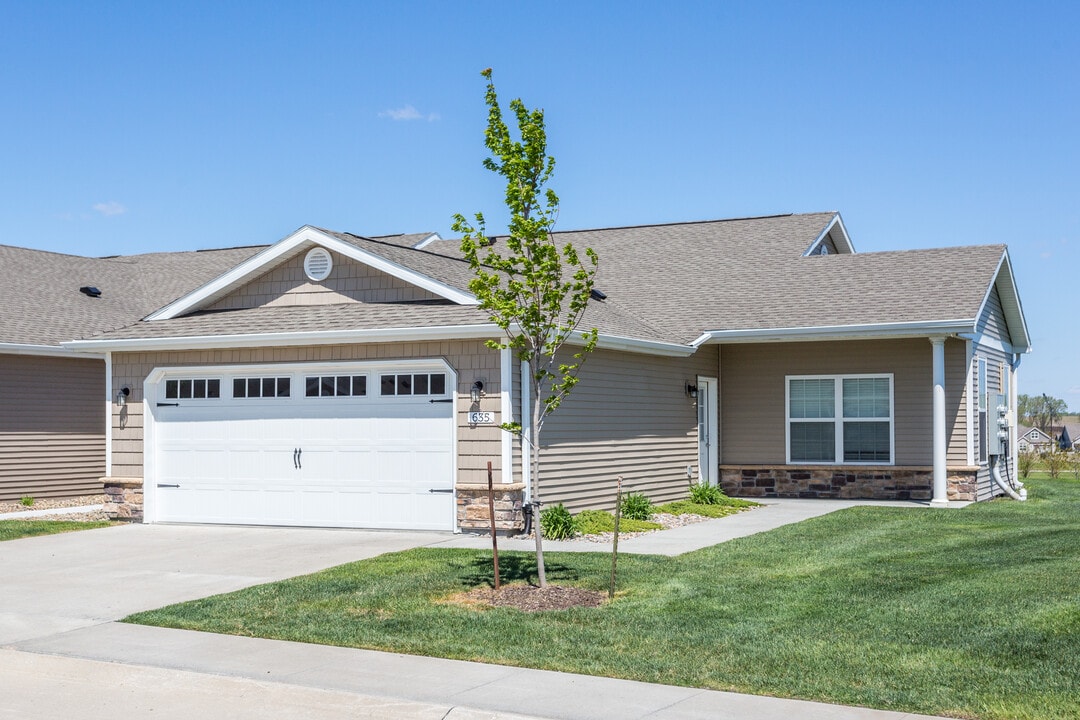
(595, 522)
(1074, 464)
(636, 506)
(1054, 462)
(1025, 462)
(27, 500)
(704, 494)
(557, 523)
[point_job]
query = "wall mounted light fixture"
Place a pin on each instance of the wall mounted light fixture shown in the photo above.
(475, 391)
(122, 395)
(691, 390)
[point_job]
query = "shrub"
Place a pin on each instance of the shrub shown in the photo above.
(1054, 462)
(27, 500)
(636, 507)
(703, 494)
(1025, 462)
(1074, 464)
(556, 522)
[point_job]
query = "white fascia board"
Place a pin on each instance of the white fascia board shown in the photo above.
(433, 237)
(307, 235)
(647, 347)
(1010, 304)
(838, 332)
(325, 337)
(47, 351)
(836, 222)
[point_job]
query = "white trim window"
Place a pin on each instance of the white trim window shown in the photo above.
(839, 419)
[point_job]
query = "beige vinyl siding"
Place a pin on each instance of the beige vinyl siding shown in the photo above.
(956, 391)
(349, 281)
(992, 323)
(628, 416)
(752, 391)
(52, 426)
(992, 326)
(470, 358)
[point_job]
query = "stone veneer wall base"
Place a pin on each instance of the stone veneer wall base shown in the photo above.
(472, 508)
(878, 482)
(123, 498)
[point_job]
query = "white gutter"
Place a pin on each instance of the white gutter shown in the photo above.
(648, 347)
(323, 337)
(45, 351)
(837, 332)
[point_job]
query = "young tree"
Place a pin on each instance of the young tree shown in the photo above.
(534, 289)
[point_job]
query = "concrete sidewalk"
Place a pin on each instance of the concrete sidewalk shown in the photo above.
(774, 513)
(390, 685)
(62, 655)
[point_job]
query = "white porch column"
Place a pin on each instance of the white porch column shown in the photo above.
(941, 481)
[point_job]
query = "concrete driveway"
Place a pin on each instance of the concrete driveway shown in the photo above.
(62, 582)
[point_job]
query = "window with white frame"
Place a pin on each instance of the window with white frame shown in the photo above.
(840, 419)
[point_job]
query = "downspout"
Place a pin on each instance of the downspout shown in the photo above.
(1014, 489)
(108, 414)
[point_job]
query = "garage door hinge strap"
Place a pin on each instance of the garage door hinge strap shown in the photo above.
(165, 485)
(168, 404)
(446, 400)
(440, 490)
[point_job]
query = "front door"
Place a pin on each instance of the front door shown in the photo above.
(708, 435)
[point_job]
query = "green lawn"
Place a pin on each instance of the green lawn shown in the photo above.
(973, 613)
(15, 529)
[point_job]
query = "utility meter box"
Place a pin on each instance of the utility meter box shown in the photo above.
(998, 432)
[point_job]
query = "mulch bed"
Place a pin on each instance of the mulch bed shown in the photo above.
(530, 598)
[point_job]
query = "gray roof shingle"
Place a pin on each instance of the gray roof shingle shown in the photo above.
(666, 283)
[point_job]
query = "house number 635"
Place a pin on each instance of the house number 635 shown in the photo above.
(481, 418)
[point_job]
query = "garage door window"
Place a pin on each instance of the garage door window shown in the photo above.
(413, 384)
(266, 387)
(193, 389)
(335, 386)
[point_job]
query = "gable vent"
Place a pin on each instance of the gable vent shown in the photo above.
(318, 264)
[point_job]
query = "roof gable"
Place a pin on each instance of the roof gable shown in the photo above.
(349, 281)
(362, 250)
(1002, 289)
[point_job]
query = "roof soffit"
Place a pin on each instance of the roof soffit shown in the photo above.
(288, 248)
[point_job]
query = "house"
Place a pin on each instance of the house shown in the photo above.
(339, 380)
(1068, 437)
(53, 401)
(1032, 439)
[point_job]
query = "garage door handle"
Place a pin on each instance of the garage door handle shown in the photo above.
(164, 485)
(440, 490)
(296, 458)
(299, 455)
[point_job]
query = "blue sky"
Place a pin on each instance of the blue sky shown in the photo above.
(134, 127)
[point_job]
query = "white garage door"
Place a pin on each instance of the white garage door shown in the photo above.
(336, 446)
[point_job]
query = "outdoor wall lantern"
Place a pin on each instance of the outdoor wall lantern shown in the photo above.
(691, 390)
(474, 392)
(122, 395)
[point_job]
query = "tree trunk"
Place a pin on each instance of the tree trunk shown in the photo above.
(541, 573)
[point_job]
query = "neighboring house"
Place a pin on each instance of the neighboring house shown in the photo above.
(338, 380)
(1068, 437)
(1033, 439)
(53, 402)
